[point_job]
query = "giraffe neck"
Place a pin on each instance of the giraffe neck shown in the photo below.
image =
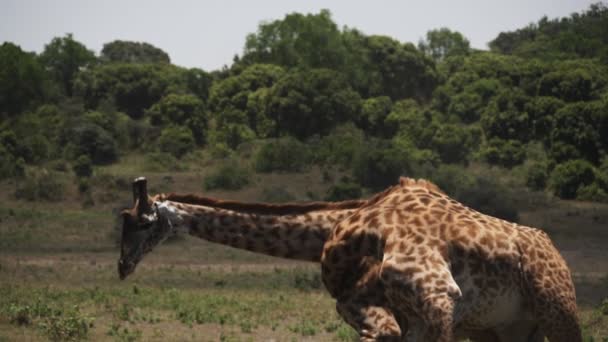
(300, 236)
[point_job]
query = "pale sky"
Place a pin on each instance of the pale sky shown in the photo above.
(207, 34)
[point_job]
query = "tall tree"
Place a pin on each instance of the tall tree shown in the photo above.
(133, 52)
(64, 57)
(21, 79)
(311, 40)
(443, 42)
(400, 70)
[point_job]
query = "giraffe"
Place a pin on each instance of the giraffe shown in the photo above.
(296, 231)
(447, 270)
(367, 309)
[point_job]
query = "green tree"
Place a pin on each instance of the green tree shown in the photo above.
(133, 52)
(507, 153)
(310, 41)
(183, 110)
(64, 57)
(505, 117)
(453, 143)
(286, 154)
(132, 87)
(567, 178)
(239, 102)
(580, 132)
(400, 70)
(380, 164)
(568, 85)
(581, 35)
(374, 112)
(21, 80)
(83, 166)
(82, 137)
(443, 42)
(307, 102)
(198, 82)
(176, 140)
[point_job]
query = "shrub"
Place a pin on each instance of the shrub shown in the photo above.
(162, 162)
(287, 155)
(83, 167)
(453, 143)
(34, 149)
(176, 140)
(592, 192)
(58, 165)
(229, 176)
(69, 326)
(340, 147)
(92, 140)
(276, 194)
(344, 190)
(380, 165)
(568, 177)
(220, 151)
(9, 165)
(44, 186)
(536, 176)
(507, 153)
(481, 192)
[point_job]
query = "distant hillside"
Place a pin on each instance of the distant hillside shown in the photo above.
(581, 35)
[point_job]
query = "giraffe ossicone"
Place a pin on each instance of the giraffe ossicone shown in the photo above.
(408, 264)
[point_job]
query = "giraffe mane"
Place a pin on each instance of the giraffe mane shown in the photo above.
(421, 183)
(293, 208)
(263, 208)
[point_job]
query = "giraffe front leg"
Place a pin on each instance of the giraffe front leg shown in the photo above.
(426, 297)
(372, 323)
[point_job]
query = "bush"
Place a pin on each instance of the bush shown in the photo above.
(344, 190)
(481, 192)
(380, 165)
(34, 149)
(340, 147)
(592, 192)
(9, 165)
(536, 176)
(176, 140)
(229, 176)
(506, 153)
(44, 186)
(568, 177)
(83, 167)
(68, 326)
(92, 140)
(287, 155)
(276, 194)
(162, 162)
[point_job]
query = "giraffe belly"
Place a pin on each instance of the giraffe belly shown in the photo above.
(497, 310)
(490, 307)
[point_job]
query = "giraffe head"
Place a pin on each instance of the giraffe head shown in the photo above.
(142, 229)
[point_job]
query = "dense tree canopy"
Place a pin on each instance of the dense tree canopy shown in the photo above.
(370, 105)
(63, 57)
(21, 79)
(443, 43)
(133, 52)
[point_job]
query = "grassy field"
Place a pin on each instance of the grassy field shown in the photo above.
(58, 278)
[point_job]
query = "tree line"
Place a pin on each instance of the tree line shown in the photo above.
(304, 88)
